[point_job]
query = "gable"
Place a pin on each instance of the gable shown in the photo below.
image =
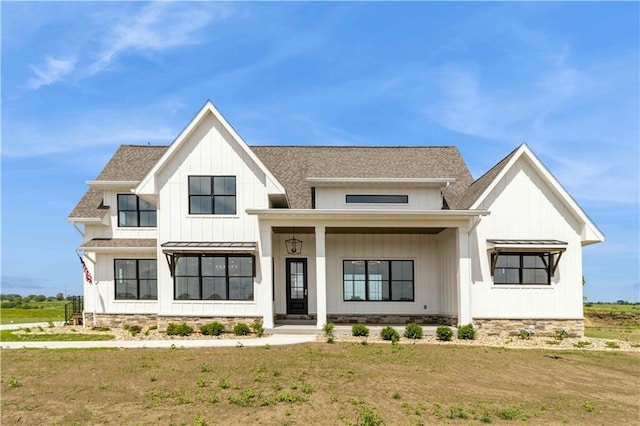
(523, 171)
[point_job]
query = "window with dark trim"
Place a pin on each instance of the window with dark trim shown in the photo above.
(212, 195)
(136, 279)
(133, 211)
(376, 199)
(213, 277)
(522, 268)
(378, 280)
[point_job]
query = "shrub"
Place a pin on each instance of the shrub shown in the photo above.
(328, 329)
(212, 329)
(560, 334)
(360, 330)
(241, 329)
(133, 329)
(525, 333)
(466, 332)
(100, 328)
(413, 331)
(182, 329)
(389, 333)
(444, 333)
(258, 328)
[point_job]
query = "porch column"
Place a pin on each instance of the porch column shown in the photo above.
(464, 278)
(266, 285)
(321, 277)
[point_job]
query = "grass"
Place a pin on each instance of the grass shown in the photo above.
(613, 321)
(45, 312)
(629, 334)
(343, 383)
(595, 308)
(12, 336)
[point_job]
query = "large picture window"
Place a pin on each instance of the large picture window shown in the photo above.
(378, 280)
(133, 211)
(213, 277)
(136, 279)
(522, 268)
(212, 194)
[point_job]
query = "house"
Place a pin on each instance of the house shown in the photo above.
(210, 228)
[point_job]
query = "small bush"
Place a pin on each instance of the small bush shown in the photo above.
(560, 334)
(466, 332)
(329, 331)
(581, 344)
(612, 345)
(360, 330)
(389, 333)
(413, 331)
(444, 333)
(100, 328)
(182, 329)
(133, 329)
(212, 329)
(525, 333)
(241, 329)
(258, 328)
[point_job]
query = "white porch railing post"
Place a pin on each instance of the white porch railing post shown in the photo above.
(266, 285)
(464, 278)
(321, 277)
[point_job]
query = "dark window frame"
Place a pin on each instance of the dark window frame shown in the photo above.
(200, 277)
(137, 279)
(213, 194)
(391, 280)
(547, 257)
(138, 210)
(376, 199)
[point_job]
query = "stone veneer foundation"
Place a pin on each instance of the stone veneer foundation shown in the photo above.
(393, 319)
(540, 327)
(148, 320)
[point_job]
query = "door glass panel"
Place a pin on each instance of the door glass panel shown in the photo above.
(296, 278)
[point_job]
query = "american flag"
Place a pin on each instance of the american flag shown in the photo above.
(87, 274)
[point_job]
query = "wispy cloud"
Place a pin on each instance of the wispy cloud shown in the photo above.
(52, 71)
(155, 28)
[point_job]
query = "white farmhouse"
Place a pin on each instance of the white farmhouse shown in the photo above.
(210, 228)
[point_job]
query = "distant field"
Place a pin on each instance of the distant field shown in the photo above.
(318, 384)
(44, 312)
(611, 308)
(613, 321)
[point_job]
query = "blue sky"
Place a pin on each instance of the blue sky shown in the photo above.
(81, 78)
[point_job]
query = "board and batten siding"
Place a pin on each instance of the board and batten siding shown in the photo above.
(418, 198)
(524, 207)
(208, 151)
(104, 301)
(420, 248)
(449, 263)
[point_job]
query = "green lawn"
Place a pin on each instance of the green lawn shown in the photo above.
(629, 334)
(12, 336)
(44, 312)
(610, 308)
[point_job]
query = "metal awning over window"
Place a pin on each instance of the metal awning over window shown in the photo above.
(554, 247)
(172, 247)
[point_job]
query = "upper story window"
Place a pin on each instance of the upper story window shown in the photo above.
(523, 268)
(376, 199)
(212, 194)
(133, 211)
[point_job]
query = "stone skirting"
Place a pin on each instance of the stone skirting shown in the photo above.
(540, 327)
(392, 319)
(148, 320)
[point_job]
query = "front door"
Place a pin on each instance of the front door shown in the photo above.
(297, 286)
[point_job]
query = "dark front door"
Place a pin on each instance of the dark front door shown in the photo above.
(297, 286)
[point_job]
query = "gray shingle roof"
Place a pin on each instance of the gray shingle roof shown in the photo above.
(479, 185)
(120, 243)
(292, 165)
(129, 163)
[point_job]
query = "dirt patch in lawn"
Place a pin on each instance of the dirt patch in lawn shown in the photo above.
(319, 383)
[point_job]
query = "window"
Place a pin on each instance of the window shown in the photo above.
(133, 211)
(377, 199)
(522, 268)
(212, 195)
(213, 277)
(136, 279)
(378, 280)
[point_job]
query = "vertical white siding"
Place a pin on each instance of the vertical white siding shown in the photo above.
(419, 198)
(523, 207)
(448, 261)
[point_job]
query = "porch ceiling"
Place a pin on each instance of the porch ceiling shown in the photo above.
(356, 230)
